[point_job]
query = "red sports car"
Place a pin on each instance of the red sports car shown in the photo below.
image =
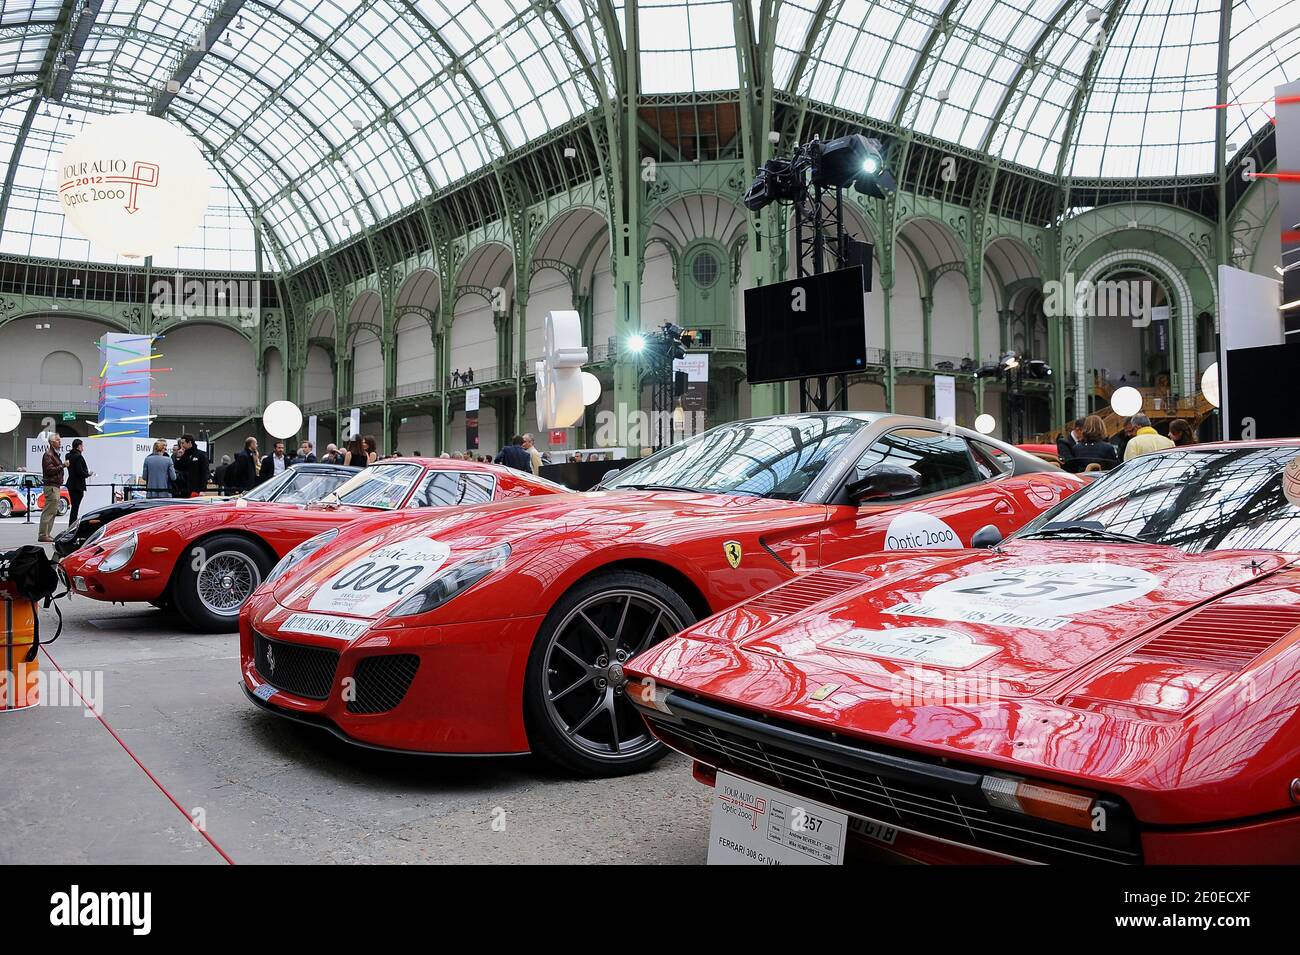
(206, 561)
(17, 487)
(504, 628)
(1117, 682)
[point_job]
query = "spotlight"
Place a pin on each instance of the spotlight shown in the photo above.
(636, 344)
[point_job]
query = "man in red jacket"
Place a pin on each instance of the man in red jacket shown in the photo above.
(52, 475)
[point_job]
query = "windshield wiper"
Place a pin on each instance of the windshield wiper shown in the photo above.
(1093, 529)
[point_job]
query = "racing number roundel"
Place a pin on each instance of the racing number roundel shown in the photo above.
(1039, 596)
(371, 584)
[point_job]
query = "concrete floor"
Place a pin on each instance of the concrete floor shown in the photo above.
(273, 791)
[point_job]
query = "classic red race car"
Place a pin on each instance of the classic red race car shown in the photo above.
(504, 628)
(1117, 682)
(206, 561)
(17, 487)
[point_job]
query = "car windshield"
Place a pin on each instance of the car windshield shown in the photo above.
(10, 480)
(777, 457)
(298, 487)
(1195, 499)
(384, 486)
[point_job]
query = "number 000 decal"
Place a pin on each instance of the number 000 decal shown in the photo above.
(378, 580)
(1039, 597)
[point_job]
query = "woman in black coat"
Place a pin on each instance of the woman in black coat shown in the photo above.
(1093, 449)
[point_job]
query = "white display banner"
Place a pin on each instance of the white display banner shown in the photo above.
(472, 398)
(945, 399)
(110, 460)
(696, 366)
(311, 435)
(354, 424)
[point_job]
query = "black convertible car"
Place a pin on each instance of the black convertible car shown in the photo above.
(299, 484)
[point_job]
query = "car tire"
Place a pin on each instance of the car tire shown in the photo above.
(214, 578)
(574, 709)
(64, 506)
(6, 507)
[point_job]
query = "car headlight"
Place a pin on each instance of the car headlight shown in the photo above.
(121, 555)
(299, 553)
(453, 581)
(96, 536)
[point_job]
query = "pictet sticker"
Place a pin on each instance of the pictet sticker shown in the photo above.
(1291, 481)
(930, 646)
(1038, 597)
(373, 583)
(915, 530)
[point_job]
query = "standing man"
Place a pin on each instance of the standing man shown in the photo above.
(194, 466)
(332, 455)
(274, 463)
(1124, 437)
(243, 473)
(514, 456)
(219, 473)
(534, 456)
(306, 453)
(78, 471)
(1069, 440)
(52, 474)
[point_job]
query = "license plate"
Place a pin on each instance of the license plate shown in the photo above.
(324, 626)
(870, 829)
(753, 824)
(264, 692)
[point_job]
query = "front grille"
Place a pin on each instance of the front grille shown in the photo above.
(295, 668)
(937, 799)
(382, 681)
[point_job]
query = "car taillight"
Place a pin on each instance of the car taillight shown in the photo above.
(1069, 807)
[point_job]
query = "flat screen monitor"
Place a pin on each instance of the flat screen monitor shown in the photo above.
(806, 327)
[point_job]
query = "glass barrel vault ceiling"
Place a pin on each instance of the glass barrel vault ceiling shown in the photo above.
(324, 116)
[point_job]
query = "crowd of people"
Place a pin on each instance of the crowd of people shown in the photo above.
(1085, 446)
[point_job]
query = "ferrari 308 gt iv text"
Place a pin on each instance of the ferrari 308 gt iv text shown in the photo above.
(504, 628)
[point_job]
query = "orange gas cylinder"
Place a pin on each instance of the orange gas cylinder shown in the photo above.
(19, 679)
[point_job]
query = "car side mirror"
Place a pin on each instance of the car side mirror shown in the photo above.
(882, 481)
(986, 537)
(610, 475)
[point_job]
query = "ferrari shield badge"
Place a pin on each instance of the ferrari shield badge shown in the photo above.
(733, 552)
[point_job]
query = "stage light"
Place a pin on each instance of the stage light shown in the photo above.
(636, 344)
(985, 424)
(1126, 401)
(1210, 384)
(871, 165)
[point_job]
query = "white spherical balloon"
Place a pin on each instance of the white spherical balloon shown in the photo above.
(282, 419)
(134, 183)
(10, 415)
(985, 424)
(1210, 384)
(590, 388)
(1126, 401)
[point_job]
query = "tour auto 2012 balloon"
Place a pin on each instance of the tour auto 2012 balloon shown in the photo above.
(134, 183)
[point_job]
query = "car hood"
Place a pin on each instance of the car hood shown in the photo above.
(1094, 660)
(535, 524)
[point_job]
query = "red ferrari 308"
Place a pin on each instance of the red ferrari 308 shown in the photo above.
(1117, 682)
(504, 628)
(207, 561)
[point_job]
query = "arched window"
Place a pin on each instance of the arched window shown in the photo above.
(61, 368)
